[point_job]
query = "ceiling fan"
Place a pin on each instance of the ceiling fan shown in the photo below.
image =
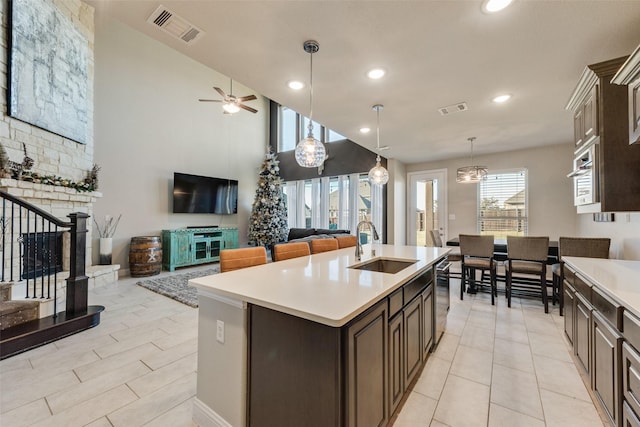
(231, 103)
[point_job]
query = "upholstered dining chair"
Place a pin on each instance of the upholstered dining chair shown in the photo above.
(323, 245)
(453, 256)
(284, 251)
(477, 254)
(588, 247)
(235, 259)
(527, 255)
(346, 241)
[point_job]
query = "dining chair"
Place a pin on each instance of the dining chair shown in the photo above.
(346, 241)
(453, 256)
(323, 245)
(527, 256)
(235, 259)
(588, 247)
(284, 251)
(477, 254)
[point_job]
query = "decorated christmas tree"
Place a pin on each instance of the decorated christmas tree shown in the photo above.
(268, 221)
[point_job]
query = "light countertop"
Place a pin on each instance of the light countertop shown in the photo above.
(320, 287)
(620, 279)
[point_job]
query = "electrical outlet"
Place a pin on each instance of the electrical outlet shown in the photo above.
(220, 331)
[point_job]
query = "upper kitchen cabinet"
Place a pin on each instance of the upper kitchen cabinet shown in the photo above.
(600, 111)
(629, 75)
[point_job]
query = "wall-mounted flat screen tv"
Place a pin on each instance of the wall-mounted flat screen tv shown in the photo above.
(203, 194)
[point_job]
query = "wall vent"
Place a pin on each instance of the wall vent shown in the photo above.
(175, 25)
(453, 108)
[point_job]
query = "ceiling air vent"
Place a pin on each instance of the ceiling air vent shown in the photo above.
(174, 25)
(453, 108)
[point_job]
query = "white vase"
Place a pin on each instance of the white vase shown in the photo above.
(106, 246)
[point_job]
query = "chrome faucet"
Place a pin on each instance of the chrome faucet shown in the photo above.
(358, 244)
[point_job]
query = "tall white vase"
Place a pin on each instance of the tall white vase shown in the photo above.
(106, 246)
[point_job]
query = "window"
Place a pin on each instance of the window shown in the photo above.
(288, 135)
(338, 202)
(292, 127)
(502, 204)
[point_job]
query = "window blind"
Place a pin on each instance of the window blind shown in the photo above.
(502, 204)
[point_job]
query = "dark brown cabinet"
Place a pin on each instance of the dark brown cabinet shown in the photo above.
(367, 368)
(569, 310)
(582, 335)
(355, 375)
(630, 368)
(396, 361)
(629, 75)
(594, 323)
(427, 321)
(601, 117)
(412, 339)
(585, 119)
(607, 345)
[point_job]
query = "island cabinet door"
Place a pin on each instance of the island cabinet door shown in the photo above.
(412, 339)
(396, 359)
(427, 321)
(367, 361)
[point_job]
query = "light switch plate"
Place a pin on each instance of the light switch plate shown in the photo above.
(220, 331)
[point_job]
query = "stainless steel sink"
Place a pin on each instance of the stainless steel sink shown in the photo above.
(384, 265)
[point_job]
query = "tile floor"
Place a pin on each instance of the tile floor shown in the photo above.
(494, 367)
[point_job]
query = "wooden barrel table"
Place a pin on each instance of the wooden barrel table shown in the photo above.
(145, 256)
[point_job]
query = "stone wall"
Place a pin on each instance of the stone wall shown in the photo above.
(53, 154)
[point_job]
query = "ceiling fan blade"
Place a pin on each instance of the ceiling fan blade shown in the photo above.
(244, 107)
(247, 98)
(209, 100)
(221, 92)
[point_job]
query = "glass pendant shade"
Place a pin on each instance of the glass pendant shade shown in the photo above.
(378, 175)
(471, 174)
(310, 153)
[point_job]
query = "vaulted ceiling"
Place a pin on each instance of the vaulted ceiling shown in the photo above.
(435, 53)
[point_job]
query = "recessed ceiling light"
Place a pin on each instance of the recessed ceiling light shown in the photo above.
(376, 73)
(295, 85)
(492, 6)
(501, 98)
(365, 130)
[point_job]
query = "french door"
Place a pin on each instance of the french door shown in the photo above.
(427, 209)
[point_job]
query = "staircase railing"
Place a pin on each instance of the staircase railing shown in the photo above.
(29, 239)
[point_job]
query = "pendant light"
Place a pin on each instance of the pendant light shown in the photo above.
(378, 175)
(310, 153)
(471, 174)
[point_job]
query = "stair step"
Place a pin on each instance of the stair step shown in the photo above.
(13, 313)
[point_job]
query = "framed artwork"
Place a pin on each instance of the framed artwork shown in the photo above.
(48, 70)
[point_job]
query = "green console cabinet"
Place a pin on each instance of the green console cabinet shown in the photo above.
(191, 246)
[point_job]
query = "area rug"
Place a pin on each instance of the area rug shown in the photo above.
(177, 287)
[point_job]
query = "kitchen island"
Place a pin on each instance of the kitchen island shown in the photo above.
(312, 340)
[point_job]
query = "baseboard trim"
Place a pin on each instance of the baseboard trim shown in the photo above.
(204, 416)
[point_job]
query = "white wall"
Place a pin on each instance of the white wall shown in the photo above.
(624, 232)
(396, 202)
(551, 210)
(149, 123)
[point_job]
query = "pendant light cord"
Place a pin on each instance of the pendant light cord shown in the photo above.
(310, 95)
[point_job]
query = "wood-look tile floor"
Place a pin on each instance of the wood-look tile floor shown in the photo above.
(494, 366)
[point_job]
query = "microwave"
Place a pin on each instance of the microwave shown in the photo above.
(585, 176)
